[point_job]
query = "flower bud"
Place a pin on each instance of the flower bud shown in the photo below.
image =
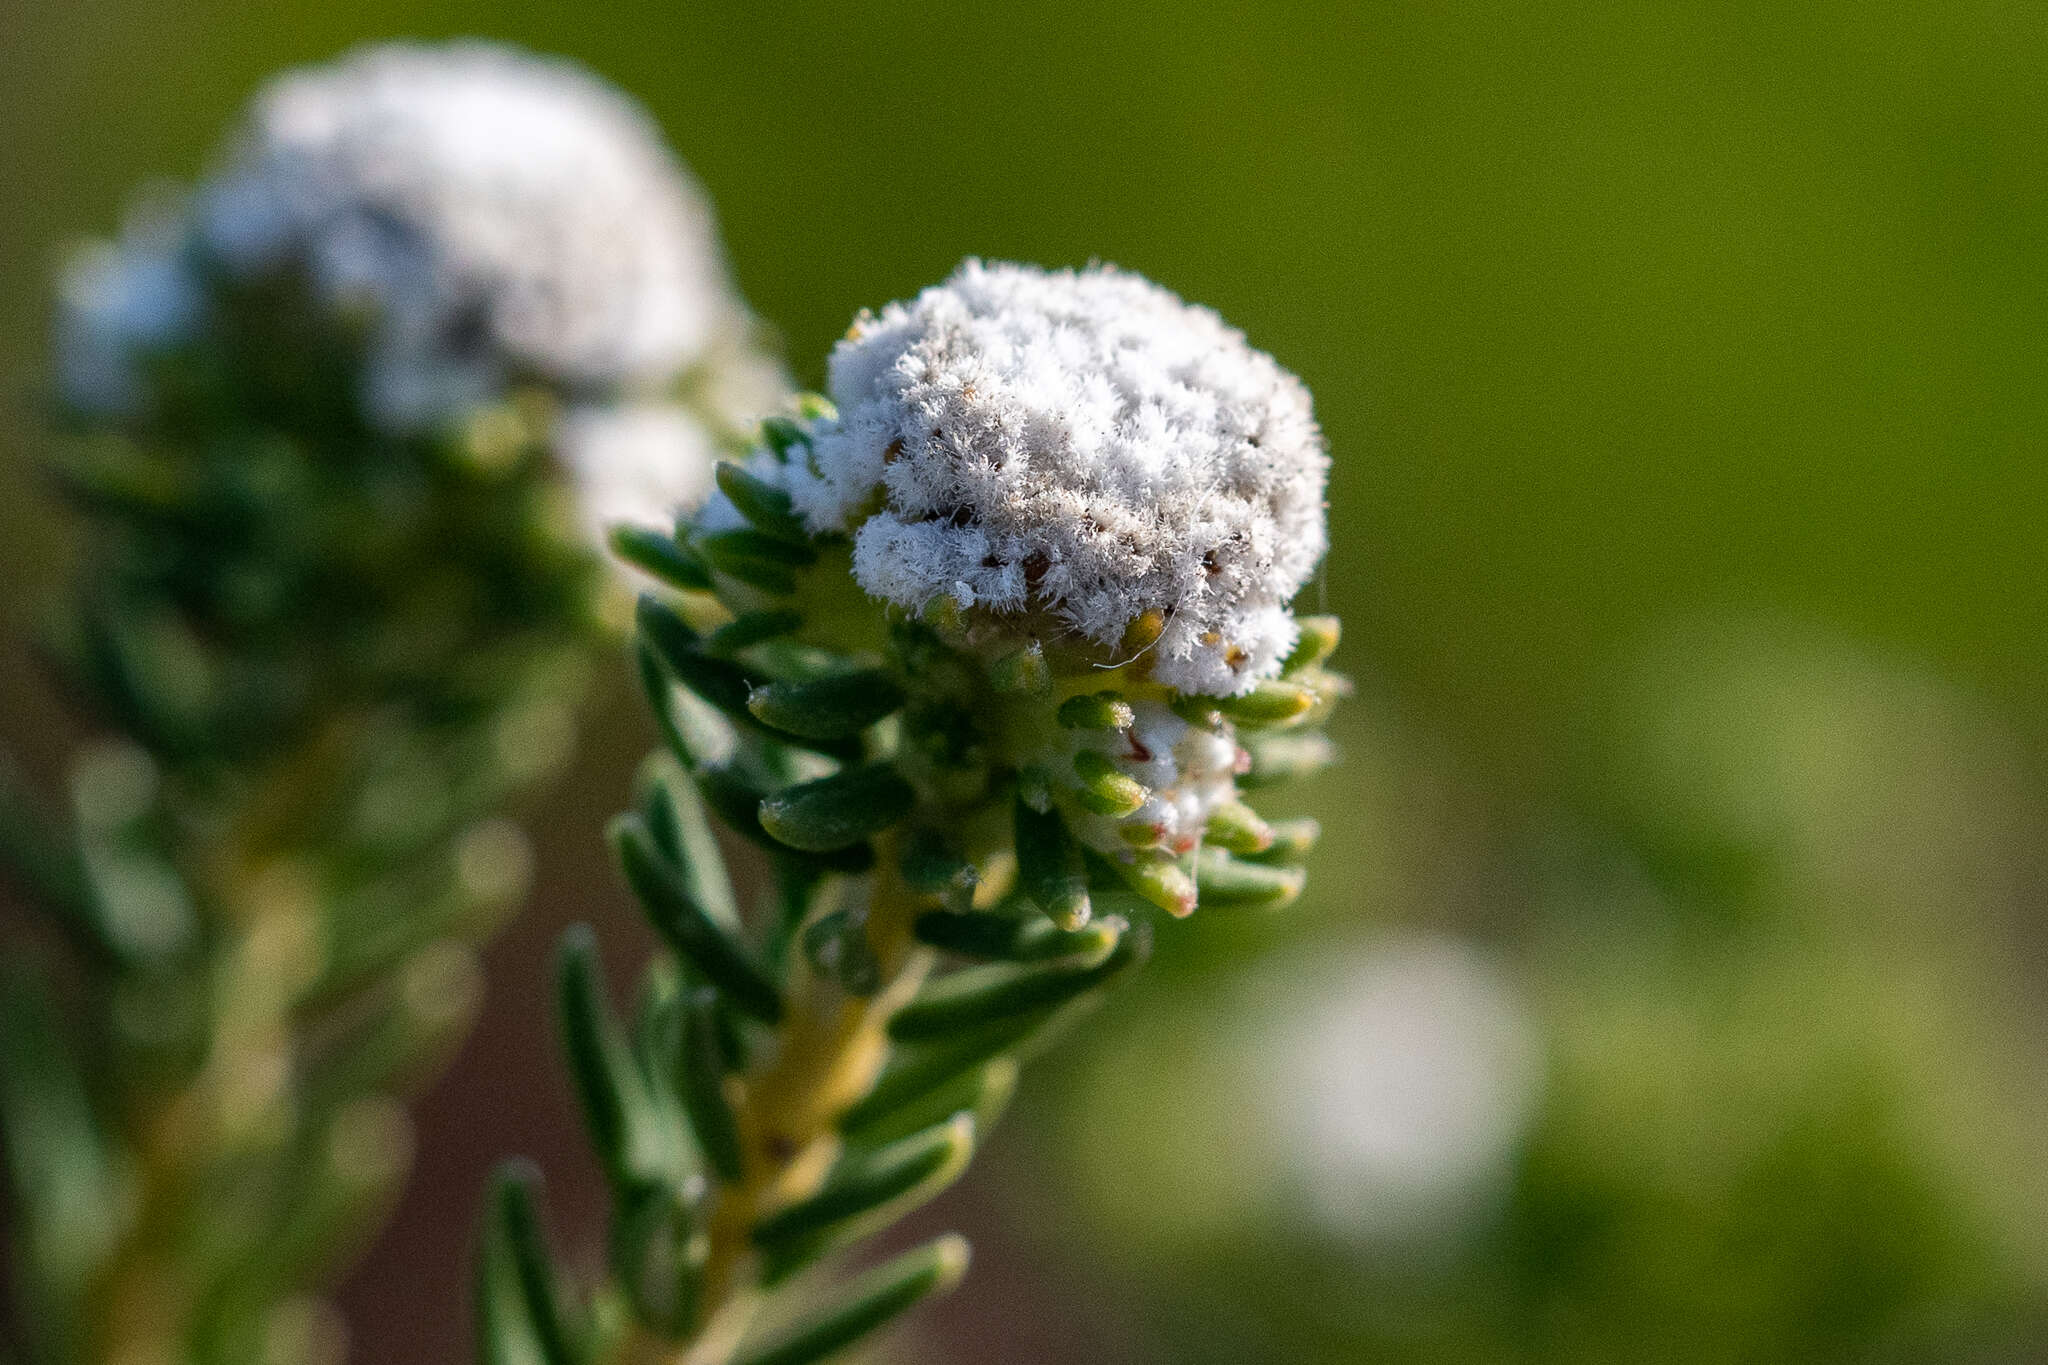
(1084, 507)
(1079, 448)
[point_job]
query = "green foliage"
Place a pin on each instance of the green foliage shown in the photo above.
(328, 658)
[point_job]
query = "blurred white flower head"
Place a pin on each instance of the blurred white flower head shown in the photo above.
(1078, 442)
(1402, 1078)
(480, 219)
(639, 463)
(491, 215)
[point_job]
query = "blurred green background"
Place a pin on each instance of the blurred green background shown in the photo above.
(1685, 373)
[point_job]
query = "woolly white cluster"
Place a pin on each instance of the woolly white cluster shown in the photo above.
(1188, 770)
(489, 215)
(1080, 441)
(118, 304)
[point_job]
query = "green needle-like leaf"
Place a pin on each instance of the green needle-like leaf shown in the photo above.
(836, 707)
(750, 629)
(607, 1081)
(865, 1192)
(748, 548)
(838, 811)
(1049, 866)
(720, 682)
(700, 1085)
(986, 995)
(1002, 938)
(782, 435)
(675, 815)
(761, 503)
(657, 554)
(983, 1091)
(518, 1305)
(658, 1254)
(662, 627)
(910, 1079)
(45, 862)
(869, 1303)
(62, 1171)
(696, 937)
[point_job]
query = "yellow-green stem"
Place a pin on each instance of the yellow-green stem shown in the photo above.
(141, 1309)
(829, 1049)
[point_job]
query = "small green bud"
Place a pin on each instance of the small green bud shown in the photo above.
(1022, 671)
(1105, 788)
(1226, 881)
(1237, 827)
(1316, 642)
(1271, 703)
(1164, 882)
(1143, 632)
(1278, 758)
(931, 868)
(1096, 711)
(836, 945)
(1292, 841)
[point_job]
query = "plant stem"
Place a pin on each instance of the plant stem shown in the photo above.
(142, 1309)
(829, 1049)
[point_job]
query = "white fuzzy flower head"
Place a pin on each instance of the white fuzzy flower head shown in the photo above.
(1081, 443)
(490, 215)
